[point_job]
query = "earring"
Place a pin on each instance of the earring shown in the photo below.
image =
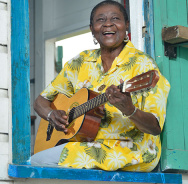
(126, 39)
(95, 40)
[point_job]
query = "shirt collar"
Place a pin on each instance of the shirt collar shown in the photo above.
(128, 51)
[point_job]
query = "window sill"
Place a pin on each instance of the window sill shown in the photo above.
(44, 172)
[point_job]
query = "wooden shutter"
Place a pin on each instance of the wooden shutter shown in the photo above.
(175, 134)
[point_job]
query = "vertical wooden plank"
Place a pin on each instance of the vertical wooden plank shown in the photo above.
(168, 133)
(176, 85)
(20, 82)
(182, 13)
(184, 76)
(175, 117)
(160, 21)
(175, 138)
(172, 9)
(183, 59)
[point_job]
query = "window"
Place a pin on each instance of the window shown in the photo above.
(20, 166)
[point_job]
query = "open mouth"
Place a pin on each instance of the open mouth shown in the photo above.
(108, 33)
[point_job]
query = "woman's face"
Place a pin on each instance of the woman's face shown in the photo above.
(109, 27)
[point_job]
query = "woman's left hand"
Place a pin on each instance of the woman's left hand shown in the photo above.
(144, 121)
(120, 100)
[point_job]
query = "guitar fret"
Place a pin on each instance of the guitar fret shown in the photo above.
(91, 104)
(89, 107)
(82, 109)
(76, 114)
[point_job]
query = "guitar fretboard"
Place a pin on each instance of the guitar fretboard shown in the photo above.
(75, 112)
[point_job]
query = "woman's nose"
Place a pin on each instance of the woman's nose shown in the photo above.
(108, 23)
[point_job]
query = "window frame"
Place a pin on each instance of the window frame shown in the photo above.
(21, 121)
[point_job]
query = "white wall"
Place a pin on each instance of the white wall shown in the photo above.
(137, 23)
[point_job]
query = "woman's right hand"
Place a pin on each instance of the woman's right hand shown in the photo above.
(58, 120)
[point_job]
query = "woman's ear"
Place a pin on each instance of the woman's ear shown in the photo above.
(127, 25)
(91, 28)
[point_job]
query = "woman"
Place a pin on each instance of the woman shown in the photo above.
(128, 138)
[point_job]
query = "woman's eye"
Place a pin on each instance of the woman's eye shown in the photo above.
(100, 19)
(116, 18)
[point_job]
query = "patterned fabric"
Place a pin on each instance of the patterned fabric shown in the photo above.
(119, 144)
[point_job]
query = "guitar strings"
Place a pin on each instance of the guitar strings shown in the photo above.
(85, 107)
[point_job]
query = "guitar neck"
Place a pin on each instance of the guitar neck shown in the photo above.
(87, 106)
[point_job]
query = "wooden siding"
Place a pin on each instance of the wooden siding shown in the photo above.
(175, 138)
(5, 75)
(4, 114)
(4, 24)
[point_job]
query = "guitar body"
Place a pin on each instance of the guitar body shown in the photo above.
(83, 128)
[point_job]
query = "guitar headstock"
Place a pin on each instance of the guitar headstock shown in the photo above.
(142, 82)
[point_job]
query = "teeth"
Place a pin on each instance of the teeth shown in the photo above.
(109, 32)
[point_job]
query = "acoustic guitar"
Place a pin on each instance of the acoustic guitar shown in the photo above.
(84, 111)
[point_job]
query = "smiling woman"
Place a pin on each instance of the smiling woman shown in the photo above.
(109, 25)
(130, 123)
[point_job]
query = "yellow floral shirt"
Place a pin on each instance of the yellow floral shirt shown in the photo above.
(119, 144)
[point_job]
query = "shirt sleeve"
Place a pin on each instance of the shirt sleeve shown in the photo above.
(63, 83)
(155, 101)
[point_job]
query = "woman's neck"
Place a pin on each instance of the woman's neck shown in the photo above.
(108, 56)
